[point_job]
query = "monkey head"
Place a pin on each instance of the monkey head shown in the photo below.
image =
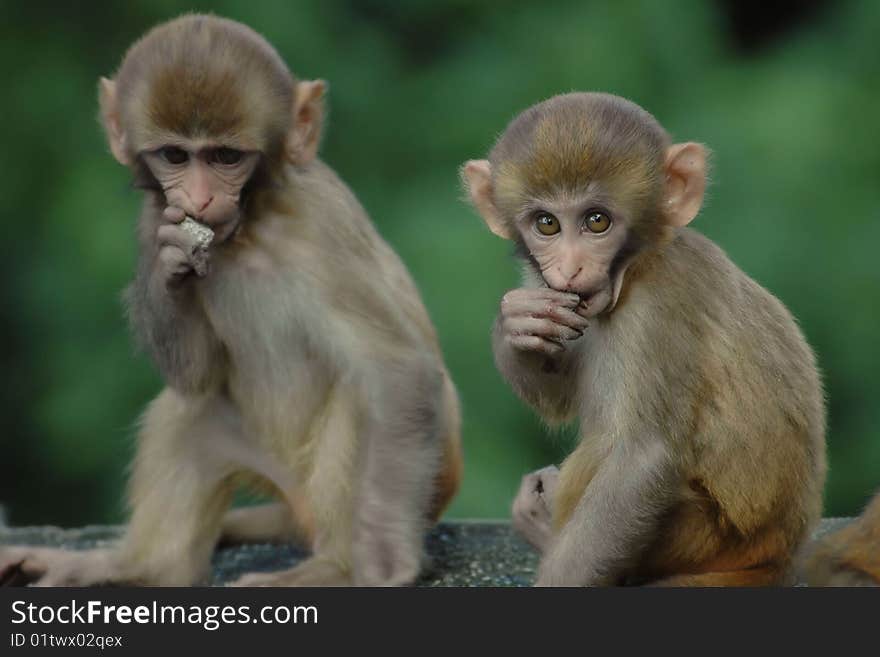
(198, 106)
(584, 183)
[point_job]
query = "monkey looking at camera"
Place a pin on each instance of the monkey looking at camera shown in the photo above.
(701, 458)
(299, 357)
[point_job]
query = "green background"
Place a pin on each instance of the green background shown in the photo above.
(789, 108)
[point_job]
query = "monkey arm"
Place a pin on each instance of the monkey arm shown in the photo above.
(545, 382)
(400, 447)
(173, 329)
(614, 518)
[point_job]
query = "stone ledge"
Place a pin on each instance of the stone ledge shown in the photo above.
(462, 552)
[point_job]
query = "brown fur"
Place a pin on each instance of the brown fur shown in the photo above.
(202, 75)
(849, 556)
(702, 454)
(304, 362)
(560, 145)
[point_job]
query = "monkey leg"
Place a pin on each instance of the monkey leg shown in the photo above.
(697, 545)
(180, 488)
(329, 490)
(401, 452)
(264, 523)
(177, 495)
(374, 484)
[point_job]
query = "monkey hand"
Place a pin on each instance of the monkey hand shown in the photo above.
(539, 319)
(181, 251)
(532, 511)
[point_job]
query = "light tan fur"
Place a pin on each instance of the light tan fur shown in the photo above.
(304, 362)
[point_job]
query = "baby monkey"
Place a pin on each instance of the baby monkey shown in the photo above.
(701, 458)
(296, 352)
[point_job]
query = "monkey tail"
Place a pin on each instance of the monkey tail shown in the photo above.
(848, 557)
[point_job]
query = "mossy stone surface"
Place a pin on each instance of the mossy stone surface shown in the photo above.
(462, 553)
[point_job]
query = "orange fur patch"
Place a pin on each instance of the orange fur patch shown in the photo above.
(449, 478)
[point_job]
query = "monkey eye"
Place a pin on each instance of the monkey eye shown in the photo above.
(174, 155)
(598, 222)
(224, 155)
(547, 224)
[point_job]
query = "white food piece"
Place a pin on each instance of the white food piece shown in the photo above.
(203, 236)
(201, 232)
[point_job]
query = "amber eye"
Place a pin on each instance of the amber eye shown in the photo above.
(547, 224)
(225, 155)
(598, 222)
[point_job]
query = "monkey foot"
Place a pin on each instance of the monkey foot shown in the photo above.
(41, 566)
(311, 572)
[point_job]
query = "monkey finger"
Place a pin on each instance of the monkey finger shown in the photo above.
(582, 310)
(536, 344)
(528, 515)
(549, 477)
(173, 259)
(530, 296)
(525, 496)
(174, 235)
(545, 328)
(565, 299)
(12, 574)
(175, 265)
(23, 566)
(533, 525)
(569, 318)
(558, 313)
(537, 307)
(173, 214)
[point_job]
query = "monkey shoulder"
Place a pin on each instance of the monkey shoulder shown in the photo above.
(719, 329)
(333, 244)
(699, 278)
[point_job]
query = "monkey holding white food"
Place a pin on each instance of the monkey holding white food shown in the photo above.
(202, 236)
(302, 361)
(701, 458)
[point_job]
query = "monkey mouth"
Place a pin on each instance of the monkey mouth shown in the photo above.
(596, 301)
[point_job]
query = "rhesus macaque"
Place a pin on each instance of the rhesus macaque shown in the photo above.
(300, 358)
(702, 453)
(849, 556)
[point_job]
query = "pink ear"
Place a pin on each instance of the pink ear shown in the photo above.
(476, 175)
(308, 119)
(110, 118)
(685, 182)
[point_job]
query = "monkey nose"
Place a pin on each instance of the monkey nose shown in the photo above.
(570, 283)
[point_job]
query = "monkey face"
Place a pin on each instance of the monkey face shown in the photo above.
(205, 180)
(581, 247)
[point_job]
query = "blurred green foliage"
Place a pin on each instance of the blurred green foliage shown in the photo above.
(416, 88)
